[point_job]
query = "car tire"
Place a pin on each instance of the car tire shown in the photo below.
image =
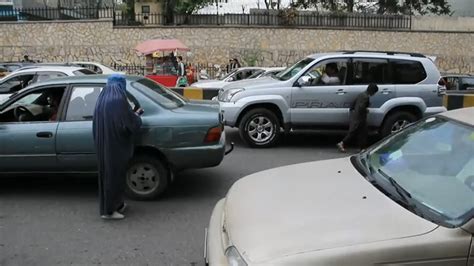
(397, 121)
(260, 124)
(147, 177)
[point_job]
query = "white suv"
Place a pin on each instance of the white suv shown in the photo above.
(20, 79)
(297, 98)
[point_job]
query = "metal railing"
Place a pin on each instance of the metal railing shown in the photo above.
(260, 18)
(38, 14)
(307, 19)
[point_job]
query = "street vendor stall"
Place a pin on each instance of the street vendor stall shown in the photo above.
(161, 63)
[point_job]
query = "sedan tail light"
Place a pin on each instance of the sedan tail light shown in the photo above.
(213, 135)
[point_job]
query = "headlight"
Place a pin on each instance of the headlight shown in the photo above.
(227, 95)
(234, 258)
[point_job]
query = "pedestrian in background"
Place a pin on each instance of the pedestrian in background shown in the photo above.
(114, 125)
(358, 119)
(182, 80)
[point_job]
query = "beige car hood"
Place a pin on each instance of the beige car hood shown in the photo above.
(312, 206)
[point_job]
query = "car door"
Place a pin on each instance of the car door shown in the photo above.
(29, 145)
(319, 103)
(363, 72)
(75, 143)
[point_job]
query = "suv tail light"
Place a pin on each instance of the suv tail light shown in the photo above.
(442, 86)
(213, 135)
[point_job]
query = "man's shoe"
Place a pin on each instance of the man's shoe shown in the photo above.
(340, 146)
(113, 216)
(122, 208)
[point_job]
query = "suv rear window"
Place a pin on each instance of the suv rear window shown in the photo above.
(408, 72)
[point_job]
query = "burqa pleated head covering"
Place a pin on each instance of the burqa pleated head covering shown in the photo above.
(112, 105)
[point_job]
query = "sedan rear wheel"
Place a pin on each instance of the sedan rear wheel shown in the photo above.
(147, 177)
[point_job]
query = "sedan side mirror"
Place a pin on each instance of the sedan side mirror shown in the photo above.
(304, 81)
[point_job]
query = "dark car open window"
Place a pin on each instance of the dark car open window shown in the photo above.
(39, 105)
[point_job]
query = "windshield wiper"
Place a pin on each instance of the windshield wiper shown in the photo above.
(403, 194)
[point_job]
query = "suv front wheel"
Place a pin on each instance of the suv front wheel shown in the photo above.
(260, 128)
(397, 121)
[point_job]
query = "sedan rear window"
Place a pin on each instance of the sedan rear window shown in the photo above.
(158, 93)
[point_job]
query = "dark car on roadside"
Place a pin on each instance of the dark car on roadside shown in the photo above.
(459, 82)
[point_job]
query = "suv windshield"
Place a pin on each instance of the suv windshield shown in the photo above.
(293, 70)
(161, 95)
(429, 169)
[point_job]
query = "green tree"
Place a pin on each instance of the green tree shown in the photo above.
(421, 7)
(190, 6)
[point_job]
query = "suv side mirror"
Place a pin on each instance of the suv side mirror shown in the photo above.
(304, 81)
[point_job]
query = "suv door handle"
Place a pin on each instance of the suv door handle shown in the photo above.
(341, 92)
(45, 135)
(386, 91)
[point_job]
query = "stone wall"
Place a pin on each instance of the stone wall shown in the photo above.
(100, 41)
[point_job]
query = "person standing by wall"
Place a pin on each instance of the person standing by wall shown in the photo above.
(182, 80)
(358, 119)
(114, 125)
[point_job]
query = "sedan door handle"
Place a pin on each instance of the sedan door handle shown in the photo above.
(45, 135)
(341, 92)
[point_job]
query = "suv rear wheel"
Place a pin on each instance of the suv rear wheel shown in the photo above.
(260, 128)
(397, 121)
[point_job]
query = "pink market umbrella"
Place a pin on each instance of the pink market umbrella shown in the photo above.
(162, 45)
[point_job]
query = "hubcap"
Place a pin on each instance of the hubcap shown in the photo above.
(143, 178)
(260, 129)
(399, 125)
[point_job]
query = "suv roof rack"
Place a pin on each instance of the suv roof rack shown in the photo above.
(382, 52)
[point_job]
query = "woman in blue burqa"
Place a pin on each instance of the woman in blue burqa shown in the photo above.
(114, 126)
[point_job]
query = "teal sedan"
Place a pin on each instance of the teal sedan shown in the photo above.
(47, 128)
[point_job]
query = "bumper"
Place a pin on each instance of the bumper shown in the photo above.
(214, 252)
(434, 110)
(231, 113)
(198, 157)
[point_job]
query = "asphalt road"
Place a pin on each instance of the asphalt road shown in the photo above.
(55, 221)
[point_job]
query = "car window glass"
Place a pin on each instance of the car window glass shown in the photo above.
(42, 76)
(83, 72)
(366, 71)
(467, 84)
(433, 161)
(163, 96)
(295, 69)
(38, 105)
(453, 83)
(82, 103)
(408, 72)
(328, 73)
(256, 73)
(16, 83)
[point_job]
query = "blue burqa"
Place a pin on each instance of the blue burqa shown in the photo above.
(114, 125)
